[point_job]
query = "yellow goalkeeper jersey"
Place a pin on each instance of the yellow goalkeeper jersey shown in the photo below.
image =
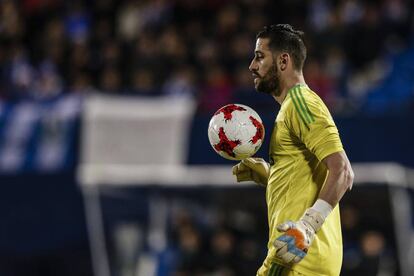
(304, 134)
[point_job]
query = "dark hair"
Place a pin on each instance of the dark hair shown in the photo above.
(282, 37)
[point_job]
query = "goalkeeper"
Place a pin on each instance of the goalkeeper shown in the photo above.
(308, 171)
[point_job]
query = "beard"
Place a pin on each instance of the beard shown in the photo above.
(270, 82)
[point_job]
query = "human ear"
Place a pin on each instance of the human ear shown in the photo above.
(283, 61)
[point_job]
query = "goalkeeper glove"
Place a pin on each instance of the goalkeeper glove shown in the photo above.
(293, 245)
(252, 169)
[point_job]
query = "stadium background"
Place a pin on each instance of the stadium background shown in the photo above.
(55, 54)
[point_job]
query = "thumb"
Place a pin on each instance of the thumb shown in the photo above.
(235, 169)
(283, 227)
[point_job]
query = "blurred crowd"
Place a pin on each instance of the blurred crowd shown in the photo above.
(207, 232)
(237, 247)
(194, 48)
(229, 244)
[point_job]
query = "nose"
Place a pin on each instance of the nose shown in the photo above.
(253, 66)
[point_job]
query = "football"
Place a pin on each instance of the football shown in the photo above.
(236, 131)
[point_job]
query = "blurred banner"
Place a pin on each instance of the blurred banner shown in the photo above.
(39, 135)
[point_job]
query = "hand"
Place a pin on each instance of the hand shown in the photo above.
(293, 246)
(252, 169)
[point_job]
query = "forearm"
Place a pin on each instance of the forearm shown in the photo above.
(337, 183)
(340, 178)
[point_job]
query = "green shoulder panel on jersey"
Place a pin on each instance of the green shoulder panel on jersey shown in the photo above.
(301, 106)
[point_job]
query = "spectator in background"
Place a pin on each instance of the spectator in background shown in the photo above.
(242, 83)
(110, 55)
(228, 22)
(181, 83)
(80, 58)
(240, 50)
(146, 53)
(55, 46)
(12, 25)
(351, 232)
(223, 258)
(319, 81)
(217, 90)
(351, 11)
(81, 83)
(110, 81)
(192, 259)
(101, 32)
(207, 54)
(373, 247)
(77, 22)
(172, 49)
(244, 92)
(373, 259)
(48, 83)
(19, 73)
(142, 83)
(364, 42)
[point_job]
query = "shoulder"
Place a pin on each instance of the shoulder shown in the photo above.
(304, 104)
(301, 100)
(303, 95)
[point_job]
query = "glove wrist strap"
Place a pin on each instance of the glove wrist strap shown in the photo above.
(316, 215)
(313, 219)
(323, 207)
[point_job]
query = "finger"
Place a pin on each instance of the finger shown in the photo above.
(239, 168)
(251, 162)
(281, 247)
(285, 226)
(235, 169)
(242, 167)
(257, 159)
(244, 176)
(256, 178)
(298, 253)
(288, 257)
(256, 164)
(297, 259)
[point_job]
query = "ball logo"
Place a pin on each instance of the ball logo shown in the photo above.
(226, 144)
(228, 110)
(259, 130)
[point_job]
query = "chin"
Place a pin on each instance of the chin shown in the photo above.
(259, 87)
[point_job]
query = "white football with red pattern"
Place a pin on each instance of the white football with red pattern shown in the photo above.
(236, 131)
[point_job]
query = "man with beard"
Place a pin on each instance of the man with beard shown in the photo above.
(308, 171)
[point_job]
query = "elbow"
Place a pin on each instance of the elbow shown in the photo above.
(348, 175)
(349, 178)
(342, 168)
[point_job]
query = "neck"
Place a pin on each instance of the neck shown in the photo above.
(287, 84)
